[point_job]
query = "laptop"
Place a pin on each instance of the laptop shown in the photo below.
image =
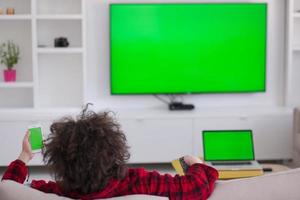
(229, 150)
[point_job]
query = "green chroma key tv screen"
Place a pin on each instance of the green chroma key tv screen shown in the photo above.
(188, 48)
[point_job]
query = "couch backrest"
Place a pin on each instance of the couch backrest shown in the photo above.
(273, 186)
(297, 129)
(10, 190)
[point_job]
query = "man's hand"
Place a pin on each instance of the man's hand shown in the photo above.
(190, 160)
(26, 154)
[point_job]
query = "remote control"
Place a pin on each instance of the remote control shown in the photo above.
(267, 169)
(183, 164)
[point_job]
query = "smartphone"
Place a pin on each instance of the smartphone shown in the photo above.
(35, 138)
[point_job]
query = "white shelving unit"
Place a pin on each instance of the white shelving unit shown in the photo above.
(46, 76)
(293, 54)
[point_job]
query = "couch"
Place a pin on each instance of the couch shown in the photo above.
(275, 186)
(296, 130)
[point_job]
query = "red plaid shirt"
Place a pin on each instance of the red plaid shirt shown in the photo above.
(198, 183)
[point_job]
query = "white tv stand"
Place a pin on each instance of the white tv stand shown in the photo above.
(160, 135)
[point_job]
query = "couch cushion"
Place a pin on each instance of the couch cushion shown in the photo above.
(273, 186)
(10, 190)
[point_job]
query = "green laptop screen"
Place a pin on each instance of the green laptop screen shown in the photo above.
(228, 145)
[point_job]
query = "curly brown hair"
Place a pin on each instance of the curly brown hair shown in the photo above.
(84, 153)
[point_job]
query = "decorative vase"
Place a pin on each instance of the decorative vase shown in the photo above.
(10, 11)
(9, 75)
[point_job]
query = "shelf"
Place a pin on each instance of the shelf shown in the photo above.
(68, 50)
(297, 15)
(15, 17)
(48, 30)
(296, 47)
(21, 7)
(57, 7)
(15, 96)
(16, 85)
(58, 75)
(59, 17)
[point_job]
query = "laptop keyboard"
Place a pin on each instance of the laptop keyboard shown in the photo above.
(231, 163)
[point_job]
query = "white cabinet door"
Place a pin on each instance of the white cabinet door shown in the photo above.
(273, 137)
(158, 140)
(11, 134)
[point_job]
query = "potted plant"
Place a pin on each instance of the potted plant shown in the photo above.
(9, 56)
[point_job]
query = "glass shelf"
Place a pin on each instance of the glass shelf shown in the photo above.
(67, 50)
(15, 17)
(16, 85)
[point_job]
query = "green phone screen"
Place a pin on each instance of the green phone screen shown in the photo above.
(35, 138)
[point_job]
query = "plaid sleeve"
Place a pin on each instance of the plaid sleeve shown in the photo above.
(47, 187)
(16, 171)
(211, 174)
(198, 183)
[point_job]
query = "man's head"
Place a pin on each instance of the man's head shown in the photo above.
(85, 153)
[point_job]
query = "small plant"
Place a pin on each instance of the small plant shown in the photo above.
(9, 54)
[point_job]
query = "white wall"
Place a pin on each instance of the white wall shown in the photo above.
(98, 88)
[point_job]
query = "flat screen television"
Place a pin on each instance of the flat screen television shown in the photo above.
(188, 48)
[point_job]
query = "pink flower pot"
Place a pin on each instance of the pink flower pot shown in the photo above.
(10, 75)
